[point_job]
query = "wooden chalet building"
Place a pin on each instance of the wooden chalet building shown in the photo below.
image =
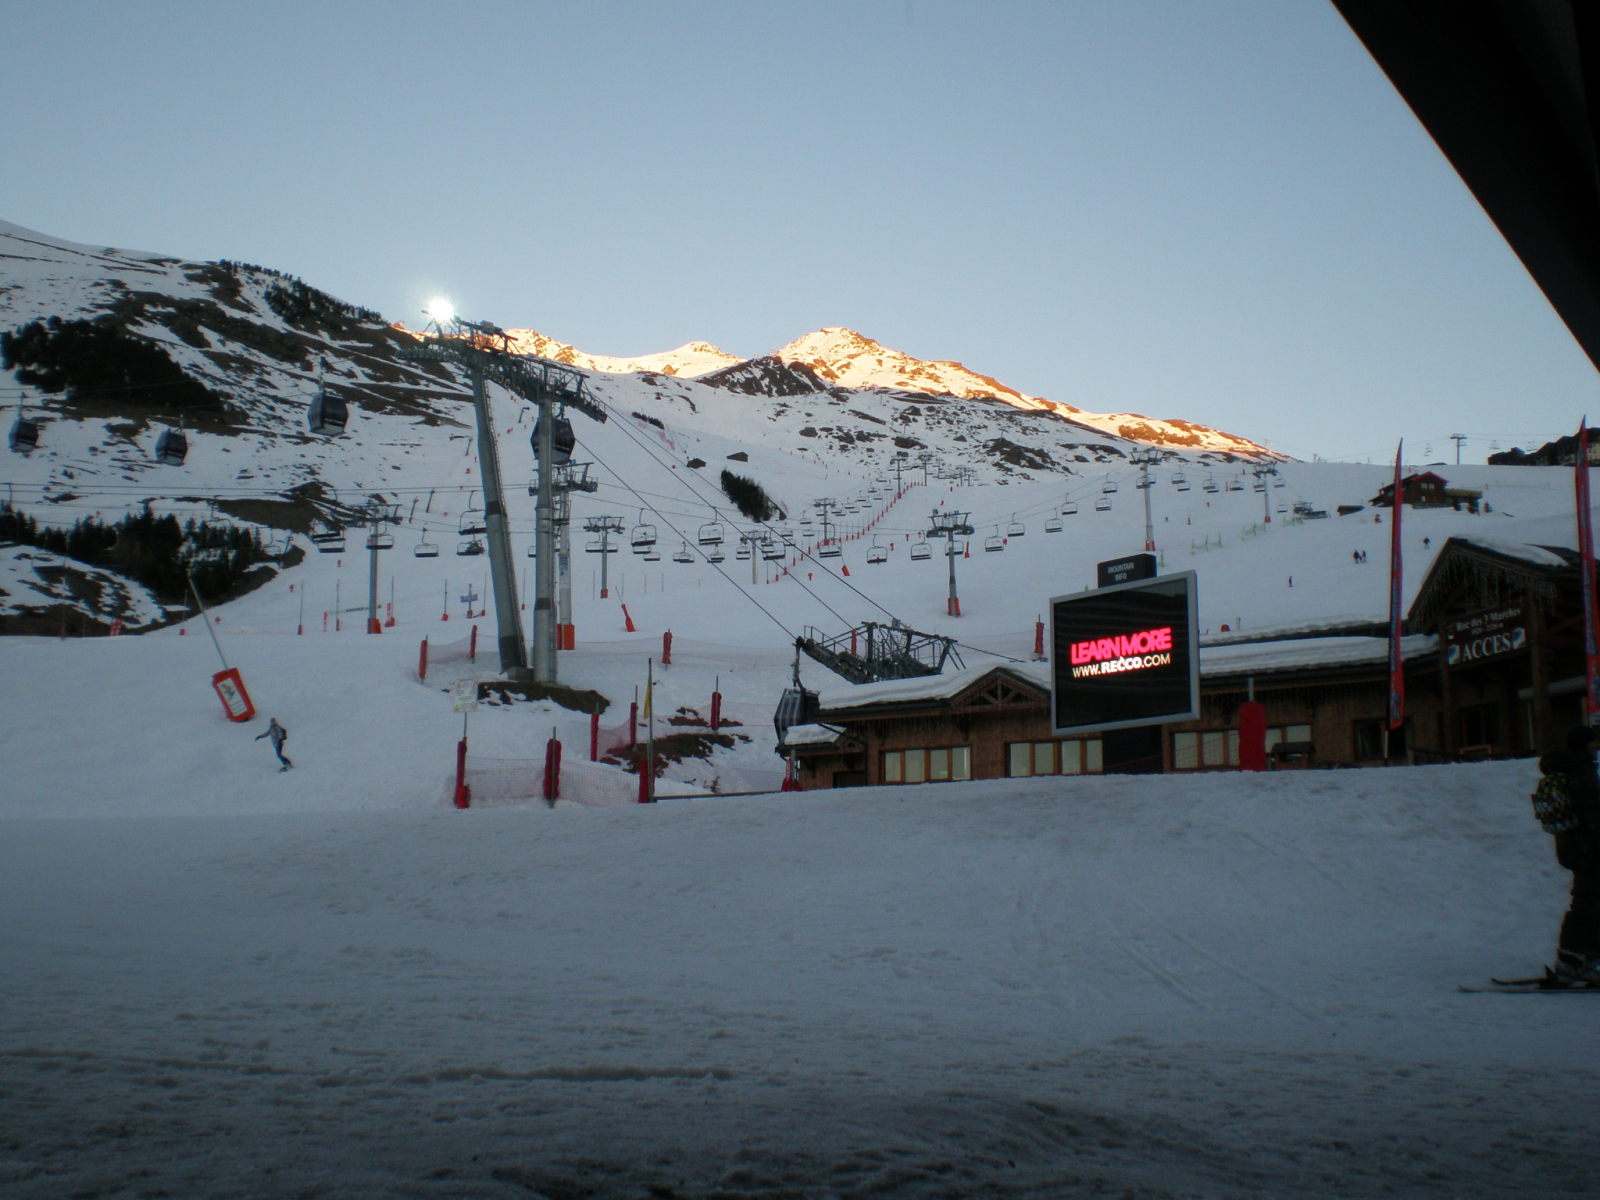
(1493, 666)
(1427, 490)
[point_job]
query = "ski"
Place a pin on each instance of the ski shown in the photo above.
(1517, 986)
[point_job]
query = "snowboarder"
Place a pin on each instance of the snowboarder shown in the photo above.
(1576, 828)
(279, 736)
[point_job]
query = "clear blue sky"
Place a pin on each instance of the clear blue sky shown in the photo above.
(1210, 209)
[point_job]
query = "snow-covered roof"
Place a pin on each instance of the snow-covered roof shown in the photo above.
(1300, 654)
(1292, 654)
(812, 735)
(1540, 556)
(926, 687)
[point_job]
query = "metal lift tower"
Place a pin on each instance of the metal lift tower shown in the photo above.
(481, 349)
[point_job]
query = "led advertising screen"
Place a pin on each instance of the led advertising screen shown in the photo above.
(1125, 655)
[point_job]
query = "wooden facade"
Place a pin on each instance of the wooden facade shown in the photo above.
(1493, 666)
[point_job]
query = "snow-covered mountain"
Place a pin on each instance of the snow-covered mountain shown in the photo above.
(689, 359)
(845, 359)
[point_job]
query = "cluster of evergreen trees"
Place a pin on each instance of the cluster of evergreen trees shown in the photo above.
(748, 497)
(97, 360)
(300, 304)
(159, 552)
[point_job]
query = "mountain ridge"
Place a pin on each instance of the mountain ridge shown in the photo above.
(843, 357)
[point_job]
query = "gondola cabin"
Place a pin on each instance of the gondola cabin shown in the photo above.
(172, 447)
(328, 414)
(24, 435)
(563, 441)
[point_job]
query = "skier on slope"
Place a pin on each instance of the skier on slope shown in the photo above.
(1578, 850)
(279, 735)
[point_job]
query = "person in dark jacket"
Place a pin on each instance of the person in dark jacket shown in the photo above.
(279, 735)
(1578, 850)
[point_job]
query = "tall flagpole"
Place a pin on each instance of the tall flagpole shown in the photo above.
(1591, 660)
(1397, 678)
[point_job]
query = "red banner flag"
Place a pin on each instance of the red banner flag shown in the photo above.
(1591, 660)
(1397, 674)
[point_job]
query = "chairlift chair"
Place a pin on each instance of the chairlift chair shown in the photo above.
(172, 447)
(1103, 504)
(1234, 485)
(832, 550)
(380, 541)
(1016, 528)
(877, 553)
(425, 550)
(683, 554)
(716, 555)
(994, 542)
(771, 549)
(642, 536)
(473, 521)
(599, 546)
(1053, 525)
(1210, 485)
(743, 552)
(469, 547)
(1069, 509)
(329, 540)
(920, 550)
(1109, 487)
(710, 533)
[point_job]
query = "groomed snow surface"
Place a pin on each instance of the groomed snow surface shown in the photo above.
(223, 981)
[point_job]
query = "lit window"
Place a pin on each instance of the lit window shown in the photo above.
(916, 766)
(1185, 751)
(1019, 760)
(1044, 758)
(893, 767)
